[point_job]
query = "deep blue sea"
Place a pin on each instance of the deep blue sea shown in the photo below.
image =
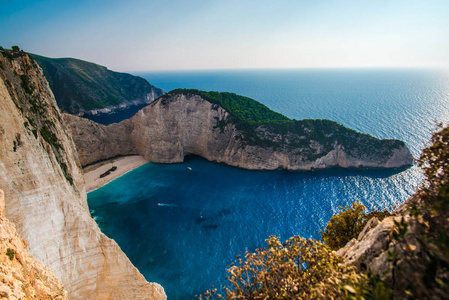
(182, 228)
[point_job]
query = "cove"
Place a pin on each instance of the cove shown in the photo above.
(182, 228)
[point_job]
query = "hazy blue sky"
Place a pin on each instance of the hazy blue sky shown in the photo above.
(138, 35)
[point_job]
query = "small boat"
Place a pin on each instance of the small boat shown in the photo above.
(189, 168)
(166, 204)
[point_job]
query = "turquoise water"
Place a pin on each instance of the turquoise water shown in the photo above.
(182, 228)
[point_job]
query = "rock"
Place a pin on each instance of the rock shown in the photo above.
(181, 124)
(23, 277)
(5, 291)
(45, 195)
(100, 142)
(373, 222)
(370, 243)
(370, 250)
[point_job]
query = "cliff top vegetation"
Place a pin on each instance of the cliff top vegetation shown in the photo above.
(29, 97)
(264, 127)
(243, 109)
(80, 85)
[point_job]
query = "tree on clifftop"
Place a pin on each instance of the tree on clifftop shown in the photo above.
(348, 223)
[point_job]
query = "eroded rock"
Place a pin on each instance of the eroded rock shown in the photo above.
(178, 125)
(45, 194)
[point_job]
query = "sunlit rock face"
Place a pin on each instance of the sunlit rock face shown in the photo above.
(184, 124)
(178, 125)
(45, 196)
(21, 275)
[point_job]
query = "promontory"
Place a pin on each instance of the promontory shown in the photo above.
(235, 130)
(81, 87)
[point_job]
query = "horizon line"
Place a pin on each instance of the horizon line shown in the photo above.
(288, 69)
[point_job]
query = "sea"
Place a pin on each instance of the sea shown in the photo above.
(183, 224)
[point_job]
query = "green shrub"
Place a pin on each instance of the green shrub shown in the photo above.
(10, 253)
(26, 84)
(434, 161)
(66, 172)
(50, 137)
(344, 226)
(297, 269)
(347, 224)
(7, 54)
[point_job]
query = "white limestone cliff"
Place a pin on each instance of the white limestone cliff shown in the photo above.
(178, 125)
(21, 276)
(45, 195)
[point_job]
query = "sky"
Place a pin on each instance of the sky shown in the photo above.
(147, 35)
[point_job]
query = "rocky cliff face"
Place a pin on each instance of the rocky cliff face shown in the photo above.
(181, 124)
(97, 142)
(22, 276)
(45, 196)
(397, 249)
(369, 250)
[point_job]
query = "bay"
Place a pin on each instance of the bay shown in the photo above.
(182, 228)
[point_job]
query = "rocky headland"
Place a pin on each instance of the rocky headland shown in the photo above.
(235, 130)
(45, 194)
(82, 87)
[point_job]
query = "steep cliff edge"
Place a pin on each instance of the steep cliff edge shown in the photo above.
(234, 130)
(21, 276)
(409, 250)
(45, 195)
(82, 87)
(96, 142)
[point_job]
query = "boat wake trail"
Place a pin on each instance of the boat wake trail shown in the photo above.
(166, 204)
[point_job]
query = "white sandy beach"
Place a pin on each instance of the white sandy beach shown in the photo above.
(124, 164)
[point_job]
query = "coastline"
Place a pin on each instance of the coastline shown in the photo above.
(123, 165)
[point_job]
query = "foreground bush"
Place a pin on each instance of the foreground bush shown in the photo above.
(344, 226)
(347, 224)
(425, 270)
(297, 269)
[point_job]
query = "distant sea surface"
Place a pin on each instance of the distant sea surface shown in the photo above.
(182, 228)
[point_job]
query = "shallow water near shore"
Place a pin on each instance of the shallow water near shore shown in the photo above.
(182, 228)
